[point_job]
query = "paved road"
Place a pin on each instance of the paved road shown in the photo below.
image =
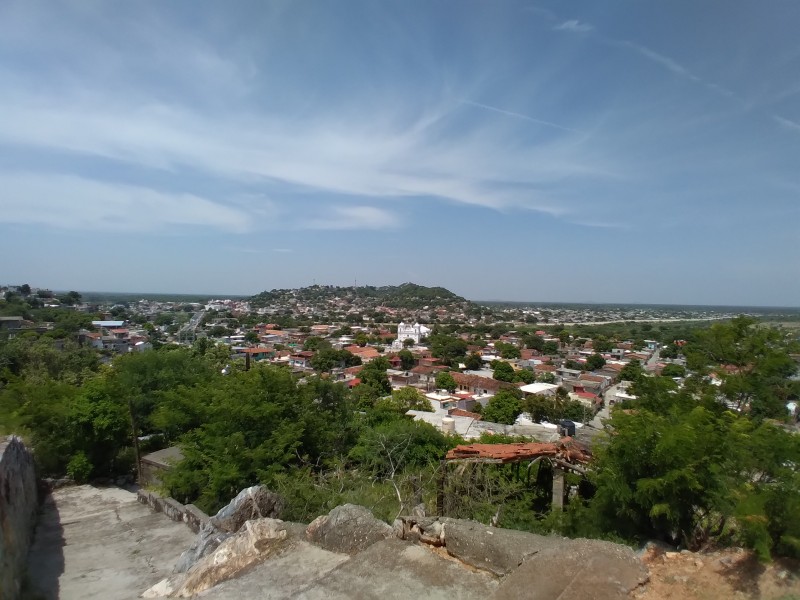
(101, 543)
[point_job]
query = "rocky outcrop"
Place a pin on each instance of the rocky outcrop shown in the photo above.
(533, 566)
(251, 503)
(348, 529)
(255, 542)
(18, 506)
(575, 570)
(348, 553)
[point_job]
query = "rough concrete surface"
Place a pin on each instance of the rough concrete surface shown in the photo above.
(101, 543)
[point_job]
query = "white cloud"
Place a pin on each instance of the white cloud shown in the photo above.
(517, 115)
(283, 250)
(355, 217)
(573, 25)
(672, 65)
(787, 123)
(69, 202)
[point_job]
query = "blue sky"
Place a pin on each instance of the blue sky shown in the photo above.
(554, 151)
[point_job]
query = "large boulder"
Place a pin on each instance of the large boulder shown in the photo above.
(255, 502)
(499, 551)
(348, 529)
(251, 503)
(258, 540)
(575, 570)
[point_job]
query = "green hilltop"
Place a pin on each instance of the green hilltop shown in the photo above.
(406, 295)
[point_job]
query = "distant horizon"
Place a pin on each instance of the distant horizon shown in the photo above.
(476, 301)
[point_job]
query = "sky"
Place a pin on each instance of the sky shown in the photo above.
(581, 151)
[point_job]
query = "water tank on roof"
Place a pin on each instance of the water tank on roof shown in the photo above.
(448, 425)
(567, 428)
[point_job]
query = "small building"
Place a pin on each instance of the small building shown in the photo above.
(155, 464)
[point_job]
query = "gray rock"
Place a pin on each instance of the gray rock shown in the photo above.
(255, 502)
(206, 542)
(575, 570)
(499, 551)
(348, 529)
(251, 503)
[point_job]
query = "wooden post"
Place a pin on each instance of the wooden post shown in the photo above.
(442, 483)
(558, 489)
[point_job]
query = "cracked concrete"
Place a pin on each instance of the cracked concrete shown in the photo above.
(101, 543)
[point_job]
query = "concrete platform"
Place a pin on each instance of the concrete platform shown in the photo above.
(101, 543)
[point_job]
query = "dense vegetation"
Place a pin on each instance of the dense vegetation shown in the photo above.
(696, 465)
(406, 295)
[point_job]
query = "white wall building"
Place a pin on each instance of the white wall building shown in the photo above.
(409, 332)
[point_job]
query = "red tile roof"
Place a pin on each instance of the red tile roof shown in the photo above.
(460, 412)
(566, 449)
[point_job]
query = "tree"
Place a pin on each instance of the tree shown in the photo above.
(408, 342)
(251, 337)
(601, 344)
(524, 375)
(632, 371)
(404, 399)
(503, 407)
(507, 351)
(25, 290)
(70, 298)
(546, 377)
(673, 370)
(473, 362)
(550, 348)
(314, 344)
(594, 362)
(407, 360)
(449, 349)
(534, 342)
(445, 381)
(374, 374)
(503, 371)
(327, 359)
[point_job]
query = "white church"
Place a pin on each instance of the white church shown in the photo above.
(409, 332)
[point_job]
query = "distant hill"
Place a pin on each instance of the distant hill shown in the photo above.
(406, 295)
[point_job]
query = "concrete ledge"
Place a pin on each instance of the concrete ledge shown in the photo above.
(189, 514)
(194, 517)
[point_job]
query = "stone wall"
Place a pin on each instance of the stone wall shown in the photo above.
(18, 507)
(189, 513)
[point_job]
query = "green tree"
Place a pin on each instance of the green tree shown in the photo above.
(594, 362)
(251, 337)
(445, 381)
(503, 407)
(524, 375)
(507, 351)
(404, 399)
(314, 344)
(407, 360)
(503, 371)
(473, 362)
(374, 374)
(632, 371)
(673, 370)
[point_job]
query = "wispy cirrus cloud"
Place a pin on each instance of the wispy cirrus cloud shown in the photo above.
(355, 217)
(517, 115)
(71, 202)
(787, 123)
(573, 25)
